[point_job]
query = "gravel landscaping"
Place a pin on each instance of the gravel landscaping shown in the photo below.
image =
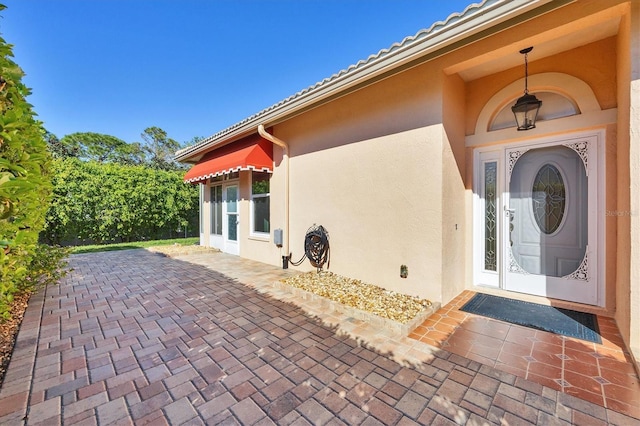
(357, 294)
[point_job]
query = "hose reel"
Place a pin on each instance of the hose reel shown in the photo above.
(316, 248)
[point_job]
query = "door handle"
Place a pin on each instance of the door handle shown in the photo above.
(509, 212)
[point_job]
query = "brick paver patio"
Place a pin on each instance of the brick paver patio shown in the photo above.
(133, 337)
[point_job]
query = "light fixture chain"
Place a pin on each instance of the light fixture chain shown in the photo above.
(526, 75)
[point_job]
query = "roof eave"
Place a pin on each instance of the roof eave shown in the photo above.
(457, 30)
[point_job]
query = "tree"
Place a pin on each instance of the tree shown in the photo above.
(194, 140)
(157, 149)
(161, 149)
(57, 148)
(100, 147)
(131, 154)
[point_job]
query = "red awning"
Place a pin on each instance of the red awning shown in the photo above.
(249, 154)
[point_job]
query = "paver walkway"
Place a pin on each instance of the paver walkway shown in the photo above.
(133, 337)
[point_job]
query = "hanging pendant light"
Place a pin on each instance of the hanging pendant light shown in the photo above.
(527, 106)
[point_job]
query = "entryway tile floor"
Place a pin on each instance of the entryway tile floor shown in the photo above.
(599, 373)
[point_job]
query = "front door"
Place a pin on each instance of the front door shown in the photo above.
(540, 231)
(230, 224)
(547, 220)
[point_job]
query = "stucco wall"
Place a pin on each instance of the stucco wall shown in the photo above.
(407, 101)
(368, 167)
(379, 200)
(588, 62)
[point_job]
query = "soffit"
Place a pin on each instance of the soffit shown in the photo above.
(560, 39)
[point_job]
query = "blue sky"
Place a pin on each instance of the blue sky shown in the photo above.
(192, 67)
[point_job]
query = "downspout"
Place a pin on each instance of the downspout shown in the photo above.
(285, 157)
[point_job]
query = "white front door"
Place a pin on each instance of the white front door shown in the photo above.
(543, 229)
(231, 219)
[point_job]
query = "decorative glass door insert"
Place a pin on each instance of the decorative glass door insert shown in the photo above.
(548, 198)
(489, 220)
(490, 215)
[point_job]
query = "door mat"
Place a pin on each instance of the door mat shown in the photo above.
(540, 317)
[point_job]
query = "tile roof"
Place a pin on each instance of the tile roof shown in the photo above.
(353, 69)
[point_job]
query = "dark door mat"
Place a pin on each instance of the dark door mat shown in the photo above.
(546, 318)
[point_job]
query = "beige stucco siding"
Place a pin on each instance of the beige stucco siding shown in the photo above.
(380, 201)
(381, 173)
(410, 100)
(369, 169)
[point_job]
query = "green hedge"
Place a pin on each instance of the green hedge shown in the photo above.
(107, 202)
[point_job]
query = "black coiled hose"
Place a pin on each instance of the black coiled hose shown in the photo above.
(316, 247)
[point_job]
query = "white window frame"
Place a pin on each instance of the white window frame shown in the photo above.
(253, 232)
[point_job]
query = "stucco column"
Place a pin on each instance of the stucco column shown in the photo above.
(634, 167)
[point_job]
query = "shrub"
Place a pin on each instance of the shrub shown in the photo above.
(25, 188)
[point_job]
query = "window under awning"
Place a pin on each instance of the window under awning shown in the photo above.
(253, 154)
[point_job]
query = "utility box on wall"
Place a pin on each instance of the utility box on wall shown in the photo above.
(277, 237)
